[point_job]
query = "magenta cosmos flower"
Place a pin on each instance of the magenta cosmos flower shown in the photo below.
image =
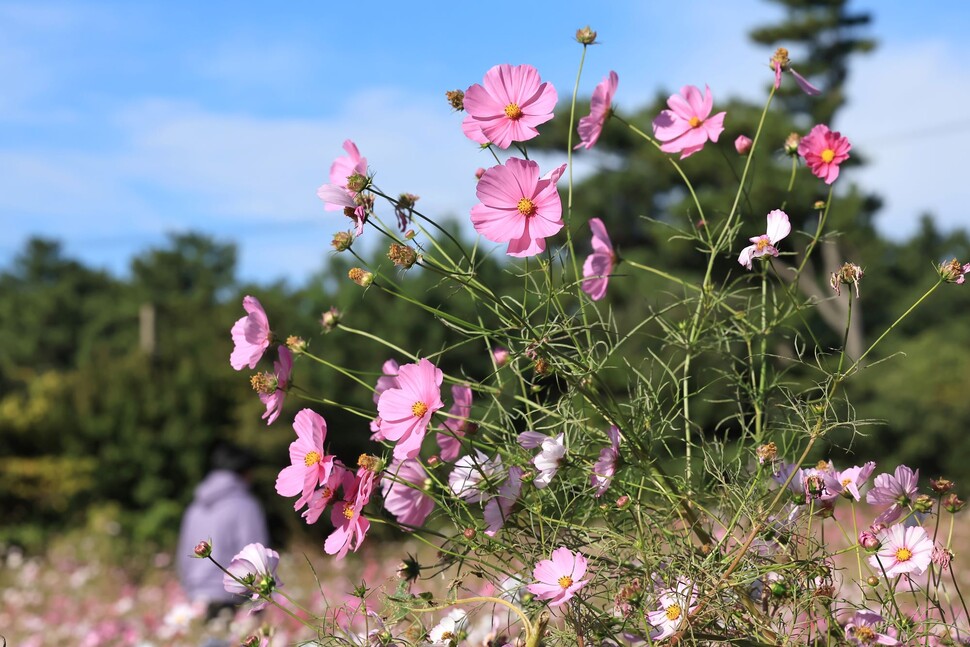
(404, 496)
(251, 335)
(311, 466)
(406, 411)
(849, 482)
(517, 207)
(350, 525)
(894, 492)
(457, 424)
(598, 265)
(388, 380)
(605, 467)
(903, 550)
(591, 126)
(764, 245)
(823, 151)
(280, 381)
(559, 577)
(335, 195)
(512, 102)
(256, 565)
(688, 124)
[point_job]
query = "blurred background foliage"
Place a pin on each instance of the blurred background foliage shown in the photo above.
(113, 389)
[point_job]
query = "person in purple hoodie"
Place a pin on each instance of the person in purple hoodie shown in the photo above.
(224, 512)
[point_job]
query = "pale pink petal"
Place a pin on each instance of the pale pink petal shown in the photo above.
(778, 225)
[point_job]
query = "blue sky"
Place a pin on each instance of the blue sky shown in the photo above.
(122, 121)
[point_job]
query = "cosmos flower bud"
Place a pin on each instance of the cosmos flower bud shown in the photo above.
(361, 277)
(456, 98)
(468, 533)
(330, 319)
(742, 144)
(623, 502)
(923, 503)
(586, 36)
(203, 549)
(296, 344)
(869, 541)
(819, 205)
(251, 641)
(952, 503)
(479, 172)
(872, 581)
(342, 240)
(791, 144)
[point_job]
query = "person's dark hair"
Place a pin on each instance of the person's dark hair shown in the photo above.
(232, 457)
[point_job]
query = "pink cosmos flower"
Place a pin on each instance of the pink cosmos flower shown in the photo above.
(497, 510)
(860, 630)
(903, 550)
(387, 381)
(742, 144)
(474, 475)
(404, 495)
(344, 167)
(256, 565)
(848, 482)
(511, 104)
(780, 63)
(675, 604)
(311, 466)
(605, 467)
(406, 411)
(447, 632)
(251, 335)
(500, 356)
(274, 401)
(764, 245)
(823, 151)
(598, 265)
(340, 476)
(548, 460)
(350, 526)
(559, 577)
(894, 492)
(517, 207)
(591, 126)
(687, 125)
(336, 196)
(457, 424)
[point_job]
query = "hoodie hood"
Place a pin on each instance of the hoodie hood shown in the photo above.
(218, 486)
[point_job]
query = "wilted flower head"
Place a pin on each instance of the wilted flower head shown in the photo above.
(781, 63)
(404, 209)
(330, 319)
(361, 277)
(402, 255)
(848, 274)
(767, 453)
(954, 272)
(342, 240)
(456, 98)
(952, 503)
(941, 485)
(764, 245)
(688, 123)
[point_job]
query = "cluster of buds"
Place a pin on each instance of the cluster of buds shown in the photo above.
(402, 255)
(456, 98)
(848, 274)
(404, 209)
(953, 272)
(361, 277)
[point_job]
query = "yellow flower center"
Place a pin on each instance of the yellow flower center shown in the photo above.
(311, 458)
(845, 482)
(903, 555)
(673, 612)
(565, 581)
(348, 512)
(513, 111)
(419, 409)
(694, 121)
(828, 155)
(864, 634)
(527, 207)
(762, 243)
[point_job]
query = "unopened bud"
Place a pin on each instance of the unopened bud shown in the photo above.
(500, 356)
(468, 533)
(433, 460)
(402, 255)
(791, 144)
(330, 319)
(342, 241)
(819, 205)
(253, 640)
(869, 541)
(479, 172)
(410, 234)
(923, 503)
(623, 502)
(203, 549)
(952, 503)
(779, 589)
(296, 344)
(586, 36)
(456, 98)
(742, 144)
(872, 581)
(361, 277)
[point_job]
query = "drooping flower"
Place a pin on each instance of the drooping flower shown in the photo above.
(336, 195)
(311, 466)
(447, 632)
(598, 265)
(903, 550)
(764, 245)
(560, 577)
(404, 496)
(250, 335)
(274, 389)
(605, 466)
(548, 459)
(824, 150)
(350, 526)
(474, 475)
(591, 126)
(497, 509)
(406, 410)
(513, 101)
(849, 482)
(860, 630)
(675, 604)
(518, 207)
(848, 274)
(688, 124)
(781, 63)
(894, 492)
(256, 566)
(457, 423)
